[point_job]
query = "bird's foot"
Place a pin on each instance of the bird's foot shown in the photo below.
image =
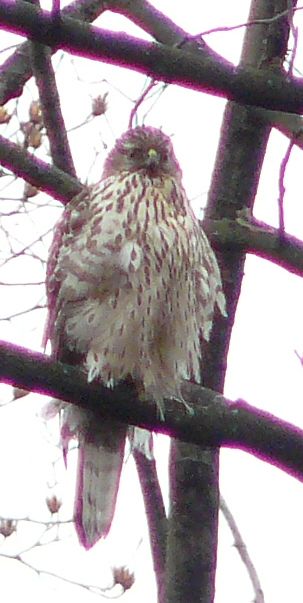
(180, 399)
(188, 407)
(160, 409)
(142, 440)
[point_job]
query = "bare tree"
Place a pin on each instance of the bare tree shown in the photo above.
(262, 93)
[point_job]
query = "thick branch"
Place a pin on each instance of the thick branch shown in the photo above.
(160, 27)
(17, 68)
(233, 187)
(253, 237)
(215, 421)
(165, 31)
(192, 534)
(38, 173)
(259, 239)
(172, 65)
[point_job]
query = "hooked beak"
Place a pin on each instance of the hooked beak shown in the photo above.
(152, 161)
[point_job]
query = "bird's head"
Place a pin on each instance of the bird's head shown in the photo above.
(143, 149)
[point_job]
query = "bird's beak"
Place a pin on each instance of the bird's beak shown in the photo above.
(152, 160)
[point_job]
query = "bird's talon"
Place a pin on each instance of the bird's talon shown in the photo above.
(160, 409)
(188, 407)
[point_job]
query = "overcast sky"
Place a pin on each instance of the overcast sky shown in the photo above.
(262, 365)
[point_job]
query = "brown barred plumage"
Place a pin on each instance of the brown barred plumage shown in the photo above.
(132, 281)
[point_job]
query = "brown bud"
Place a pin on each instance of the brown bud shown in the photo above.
(35, 112)
(4, 115)
(26, 127)
(123, 576)
(99, 104)
(7, 527)
(32, 134)
(29, 191)
(34, 138)
(53, 504)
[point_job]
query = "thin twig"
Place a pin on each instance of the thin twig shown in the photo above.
(91, 588)
(22, 312)
(248, 23)
(242, 550)
(295, 33)
(5, 284)
(47, 524)
(139, 102)
(282, 189)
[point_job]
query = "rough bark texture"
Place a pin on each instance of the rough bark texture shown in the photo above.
(172, 65)
(194, 472)
(216, 420)
(191, 552)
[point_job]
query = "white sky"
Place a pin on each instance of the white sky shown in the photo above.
(262, 367)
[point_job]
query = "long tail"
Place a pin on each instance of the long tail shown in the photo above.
(99, 468)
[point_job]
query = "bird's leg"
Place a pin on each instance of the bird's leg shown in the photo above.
(180, 399)
(142, 440)
(160, 409)
(188, 407)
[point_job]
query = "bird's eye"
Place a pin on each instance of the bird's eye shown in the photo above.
(135, 153)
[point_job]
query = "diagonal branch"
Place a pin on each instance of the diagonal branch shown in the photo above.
(173, 65)
(251, 237)
(165, 31)
(51, 109)
(215, 420)
(17, 68)
(38, 173)
(155, 514)
(242, 550)
(161, 27)
(50, 104)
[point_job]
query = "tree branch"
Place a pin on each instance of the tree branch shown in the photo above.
(17, 68)
(165, 31)
(161, 28)
(156, 517)
(38, 173)
(247, 136)
(216, 420)
(257, 238)
(251, 237)
(51, 109)
(192, 533)
(243, 552)
(173, 65)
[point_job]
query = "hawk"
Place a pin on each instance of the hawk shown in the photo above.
(132, 284)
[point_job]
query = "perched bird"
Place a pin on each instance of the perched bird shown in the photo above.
(132, 283)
